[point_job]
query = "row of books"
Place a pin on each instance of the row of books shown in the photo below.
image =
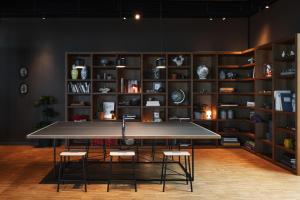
(250, 145)
(230, 141)
(79, 87)
(289, 161)
(285, 100)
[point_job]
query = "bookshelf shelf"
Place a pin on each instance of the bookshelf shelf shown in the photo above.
(237, 93)
(264, 110)
(78, 80)
(237, 80)
(284, 113)
(266, 141)
(286, 130)
(263, 78)
(291, 151)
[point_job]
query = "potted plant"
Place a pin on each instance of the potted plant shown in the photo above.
(48, 113)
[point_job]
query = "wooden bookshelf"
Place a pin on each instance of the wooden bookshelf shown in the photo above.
(250, 82)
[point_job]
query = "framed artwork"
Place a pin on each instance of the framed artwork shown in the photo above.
(23, 89)
(23, 72)
(157, 86)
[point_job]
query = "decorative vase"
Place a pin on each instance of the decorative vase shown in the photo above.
(223, 114)
(197, 115)
(202, 71)
(178, 60)
(74, 73)
(222, 75)
(83, 73)
(287, 142)
(101, 115)
(230, 114)
(156, 73)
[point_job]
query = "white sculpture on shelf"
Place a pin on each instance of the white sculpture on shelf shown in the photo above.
(202, 71)
(83, 73)
(178, 60)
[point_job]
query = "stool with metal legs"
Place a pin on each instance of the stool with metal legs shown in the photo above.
(119, 154)
(62, 164)
(187, 166)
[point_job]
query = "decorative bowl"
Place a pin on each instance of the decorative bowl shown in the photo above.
(178, 96)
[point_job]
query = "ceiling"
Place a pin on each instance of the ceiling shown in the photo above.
(126, 8)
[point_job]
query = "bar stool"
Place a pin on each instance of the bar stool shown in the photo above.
(68, 154)
(119, 154)
(186, 168)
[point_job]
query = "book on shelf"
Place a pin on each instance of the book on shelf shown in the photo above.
(232, 144)
(286, 101)
(289, 161)
(228, 104)
(227, 90)
(278, 100)
(250, 145)
(152, 103)
(230, 141)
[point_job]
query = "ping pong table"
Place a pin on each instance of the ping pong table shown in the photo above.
(133, 130)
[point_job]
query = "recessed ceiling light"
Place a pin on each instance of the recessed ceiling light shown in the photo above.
(43, 18)
(267, 6)
(137, 16)
(224, 18)
(124, 18)
(210, 19)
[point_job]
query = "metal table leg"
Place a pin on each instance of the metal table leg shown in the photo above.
(193, 159)
(54, 157)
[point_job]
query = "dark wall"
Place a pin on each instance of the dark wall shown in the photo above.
(42, 45)
(282, 20)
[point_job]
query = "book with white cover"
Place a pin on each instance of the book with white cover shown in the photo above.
(277, 97)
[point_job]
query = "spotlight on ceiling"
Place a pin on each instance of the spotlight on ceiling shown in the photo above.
(210, 19)
(44, 18)
(224, 18)
(267, 6)
(137, 16)
(124, 18)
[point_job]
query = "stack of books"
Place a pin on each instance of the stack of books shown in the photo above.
(230, 141)
(284, 100)
(289, 161)
(250, 145)
(226, 90)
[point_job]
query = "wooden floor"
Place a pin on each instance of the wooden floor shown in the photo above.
(220, 174)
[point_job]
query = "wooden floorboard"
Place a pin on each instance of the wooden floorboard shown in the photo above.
(220, 174)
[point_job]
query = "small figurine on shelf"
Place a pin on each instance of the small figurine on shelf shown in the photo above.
(113, 114)
(208, 114)
(283, 54)
(231, 75)
(156, 117)
(104, 90)
(222, 75)
(251, 60)
(156, 73)
(268, 70)
(292, 53)
(178, 60)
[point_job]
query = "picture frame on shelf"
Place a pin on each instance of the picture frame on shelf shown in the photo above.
(157, 86)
